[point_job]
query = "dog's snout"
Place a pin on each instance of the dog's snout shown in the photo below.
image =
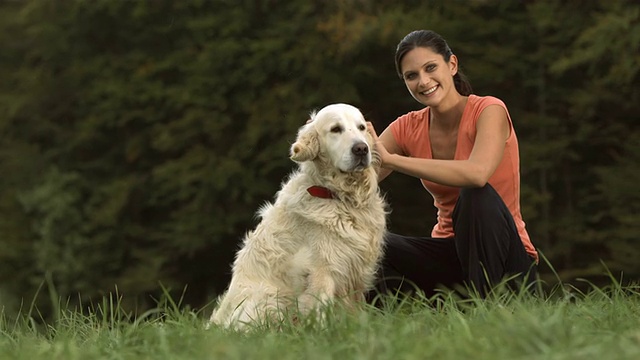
(360, 149)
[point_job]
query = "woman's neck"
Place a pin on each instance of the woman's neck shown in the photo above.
(447, 114)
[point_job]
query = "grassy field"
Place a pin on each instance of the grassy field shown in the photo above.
(603, 323)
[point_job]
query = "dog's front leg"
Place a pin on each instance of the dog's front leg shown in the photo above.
(320, 292)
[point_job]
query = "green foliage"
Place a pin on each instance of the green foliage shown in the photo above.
(619, 208)
(601, 65)
(61, 245)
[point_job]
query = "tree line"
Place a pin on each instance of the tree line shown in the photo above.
(138, 138)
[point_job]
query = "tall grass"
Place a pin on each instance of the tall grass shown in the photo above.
(564, 323)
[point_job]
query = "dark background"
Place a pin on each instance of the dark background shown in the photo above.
(138, 138)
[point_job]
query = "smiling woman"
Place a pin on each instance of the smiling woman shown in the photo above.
(440, 51)
(464, 150)
(425, 71)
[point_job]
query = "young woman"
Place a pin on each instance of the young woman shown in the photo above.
(464, 150)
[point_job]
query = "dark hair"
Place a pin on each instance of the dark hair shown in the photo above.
(435, 42)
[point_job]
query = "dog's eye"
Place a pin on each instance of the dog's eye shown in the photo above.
(361, 127)
(336, 129)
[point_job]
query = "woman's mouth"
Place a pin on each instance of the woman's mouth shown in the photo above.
(429, 91)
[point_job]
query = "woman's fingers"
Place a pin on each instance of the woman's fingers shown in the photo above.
(372, 130)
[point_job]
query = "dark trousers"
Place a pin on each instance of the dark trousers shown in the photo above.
(485, 250)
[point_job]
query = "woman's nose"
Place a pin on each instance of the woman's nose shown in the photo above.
(424, 78)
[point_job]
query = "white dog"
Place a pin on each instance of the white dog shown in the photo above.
(321, 239)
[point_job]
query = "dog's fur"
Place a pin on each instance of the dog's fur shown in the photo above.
(309, 251)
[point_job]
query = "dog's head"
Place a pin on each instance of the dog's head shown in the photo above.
(337, 132)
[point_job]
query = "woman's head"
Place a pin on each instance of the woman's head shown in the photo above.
(433, 41)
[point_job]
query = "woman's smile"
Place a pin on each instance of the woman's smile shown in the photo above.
(429, 91)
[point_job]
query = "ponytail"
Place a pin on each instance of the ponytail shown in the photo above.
(462, 83)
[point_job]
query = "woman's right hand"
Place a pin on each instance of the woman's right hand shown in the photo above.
(379, 146)
(382, 151)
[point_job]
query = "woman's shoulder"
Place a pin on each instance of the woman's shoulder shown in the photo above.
(411, 124)
(412, 119)
(415, 115)
(484, 101)
(478, 105)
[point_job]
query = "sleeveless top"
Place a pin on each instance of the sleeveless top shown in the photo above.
(411, 132)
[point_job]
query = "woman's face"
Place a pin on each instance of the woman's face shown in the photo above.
(428, 77)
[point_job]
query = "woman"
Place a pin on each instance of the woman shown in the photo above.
(464, 150)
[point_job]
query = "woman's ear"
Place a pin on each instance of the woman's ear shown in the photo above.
(306, 146)
(453, 64)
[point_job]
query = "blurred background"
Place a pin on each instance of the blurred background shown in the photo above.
(138, 138)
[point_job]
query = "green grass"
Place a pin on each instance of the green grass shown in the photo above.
(603, 323)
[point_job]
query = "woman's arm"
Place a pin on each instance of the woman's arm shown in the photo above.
(492, 132)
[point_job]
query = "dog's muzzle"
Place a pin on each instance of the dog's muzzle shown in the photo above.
(360, 149)
(361, 156)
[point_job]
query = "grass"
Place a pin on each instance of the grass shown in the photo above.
(602, 323)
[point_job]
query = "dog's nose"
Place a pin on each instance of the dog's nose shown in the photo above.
(360, 149)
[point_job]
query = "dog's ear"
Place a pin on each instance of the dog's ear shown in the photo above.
(307, 145)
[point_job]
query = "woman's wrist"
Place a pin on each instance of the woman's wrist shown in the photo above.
(391, 161)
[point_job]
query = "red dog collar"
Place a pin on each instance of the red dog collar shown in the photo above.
(321, 192)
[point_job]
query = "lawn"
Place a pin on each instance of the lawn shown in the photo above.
(602, 323)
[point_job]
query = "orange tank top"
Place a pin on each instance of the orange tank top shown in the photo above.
(411, 132)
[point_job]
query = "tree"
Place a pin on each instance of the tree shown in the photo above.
(603, 57)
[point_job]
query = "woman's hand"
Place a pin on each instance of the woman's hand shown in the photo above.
(382, 151)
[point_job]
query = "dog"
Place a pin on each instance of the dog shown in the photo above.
(321, 240)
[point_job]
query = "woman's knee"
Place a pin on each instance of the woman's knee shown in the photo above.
(396, 249)
(479, 196)
(480, 203)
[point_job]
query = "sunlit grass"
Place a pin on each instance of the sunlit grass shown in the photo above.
(602, 323)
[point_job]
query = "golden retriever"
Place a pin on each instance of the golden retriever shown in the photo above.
(322, 238)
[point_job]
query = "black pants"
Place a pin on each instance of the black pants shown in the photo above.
(486, 249)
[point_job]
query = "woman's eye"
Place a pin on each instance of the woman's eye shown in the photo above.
(410, 76)
(431, 67)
